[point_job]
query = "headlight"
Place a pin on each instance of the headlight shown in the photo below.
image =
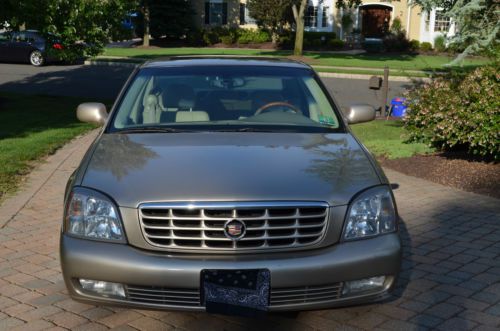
(92, 215)
(370, 214)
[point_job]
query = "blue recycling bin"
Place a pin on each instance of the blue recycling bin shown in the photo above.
(398, 108)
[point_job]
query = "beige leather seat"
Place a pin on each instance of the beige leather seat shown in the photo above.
(192, 116)
(152, 111)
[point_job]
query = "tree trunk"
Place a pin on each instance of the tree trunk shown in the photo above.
(145, 13)
(299, 27)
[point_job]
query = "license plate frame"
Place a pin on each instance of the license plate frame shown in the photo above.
(244, 292)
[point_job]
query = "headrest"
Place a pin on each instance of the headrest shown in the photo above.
(192, 116)
(174, 93)
(185, 104)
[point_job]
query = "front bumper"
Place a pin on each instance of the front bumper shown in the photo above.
(309, 279)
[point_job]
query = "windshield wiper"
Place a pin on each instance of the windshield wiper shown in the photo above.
(250, 129)
(152, 129)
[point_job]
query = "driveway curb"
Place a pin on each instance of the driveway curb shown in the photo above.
(320, 73)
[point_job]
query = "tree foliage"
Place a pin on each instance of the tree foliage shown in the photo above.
(478, 23)
(274, 15)
(172, 18)
(73, 22)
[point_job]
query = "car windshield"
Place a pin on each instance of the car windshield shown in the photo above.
(225, 98)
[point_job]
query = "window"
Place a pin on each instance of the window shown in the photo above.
(4, 37)
(23, 37)
(216, 12)
(311, 17)
(324, 17)
(245, 17)
(442, 22)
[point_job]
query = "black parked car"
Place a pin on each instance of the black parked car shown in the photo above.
(28, 46)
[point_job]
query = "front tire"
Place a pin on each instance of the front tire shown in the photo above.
(37, 59)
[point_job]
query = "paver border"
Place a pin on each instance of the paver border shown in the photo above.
(37, 178)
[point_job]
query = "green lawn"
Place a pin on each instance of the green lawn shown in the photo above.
(386, 138)
(32, 127)
(394, 61)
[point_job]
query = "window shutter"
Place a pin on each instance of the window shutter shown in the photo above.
(207, 12)
(224, 13)
(242, 14)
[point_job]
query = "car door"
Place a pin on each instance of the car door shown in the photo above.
(5, 46)
(21, 46)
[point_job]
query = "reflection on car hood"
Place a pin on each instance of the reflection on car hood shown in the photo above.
(228, 166)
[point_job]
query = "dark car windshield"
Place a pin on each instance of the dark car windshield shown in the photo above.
(231, 98)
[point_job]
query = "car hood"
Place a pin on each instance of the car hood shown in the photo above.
(228, 166)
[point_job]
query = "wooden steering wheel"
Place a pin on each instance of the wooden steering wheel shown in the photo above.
(278, 103)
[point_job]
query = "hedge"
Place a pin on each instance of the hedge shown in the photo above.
(458, 112)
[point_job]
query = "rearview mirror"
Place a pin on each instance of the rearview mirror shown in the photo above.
(92, 112)
(360, 113)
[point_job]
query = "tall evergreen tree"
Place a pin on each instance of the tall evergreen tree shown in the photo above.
(477, 21)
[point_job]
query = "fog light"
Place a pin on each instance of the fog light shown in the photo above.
(104, 289)
(363, 285)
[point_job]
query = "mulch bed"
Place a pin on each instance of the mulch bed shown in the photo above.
(452, 169)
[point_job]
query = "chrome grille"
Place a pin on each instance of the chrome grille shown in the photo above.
(163, 296)
(306, 294)
(284, 225)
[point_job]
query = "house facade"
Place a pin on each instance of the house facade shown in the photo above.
(372, 18)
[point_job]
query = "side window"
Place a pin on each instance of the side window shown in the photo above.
(23, 37)
(5, 37)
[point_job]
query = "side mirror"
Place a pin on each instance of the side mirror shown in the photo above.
(92, 112)
(360, 113)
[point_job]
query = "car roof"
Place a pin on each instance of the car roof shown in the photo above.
(191, 61)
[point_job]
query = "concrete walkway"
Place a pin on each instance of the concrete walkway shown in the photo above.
(450, 278)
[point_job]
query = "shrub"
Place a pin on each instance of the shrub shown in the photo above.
(210, 37)
(414, 45)
(426, 46)
(440, 43)
(286, 41)
(336, 44)
(458, 112)
(396, 42)
(396, 26)
(346, 21)
(317, 40)
(226, 40)
(195, 37)
(322, 36)
(248, 36)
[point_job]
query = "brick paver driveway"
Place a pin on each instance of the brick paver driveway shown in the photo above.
(450, 278)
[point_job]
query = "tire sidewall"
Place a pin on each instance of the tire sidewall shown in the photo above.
(42, 59)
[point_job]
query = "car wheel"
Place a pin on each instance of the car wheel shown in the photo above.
(37, 59)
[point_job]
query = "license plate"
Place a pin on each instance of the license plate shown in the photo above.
(236, 292)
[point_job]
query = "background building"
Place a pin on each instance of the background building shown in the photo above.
(372, 18)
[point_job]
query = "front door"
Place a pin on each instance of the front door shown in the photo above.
(5, 46)
(375, 21)
(21, 46)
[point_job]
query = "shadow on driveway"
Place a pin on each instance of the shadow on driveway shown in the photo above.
(102, 82)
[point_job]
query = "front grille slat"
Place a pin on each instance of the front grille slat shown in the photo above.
(307, 294)
(188, 226)
(163, 296)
